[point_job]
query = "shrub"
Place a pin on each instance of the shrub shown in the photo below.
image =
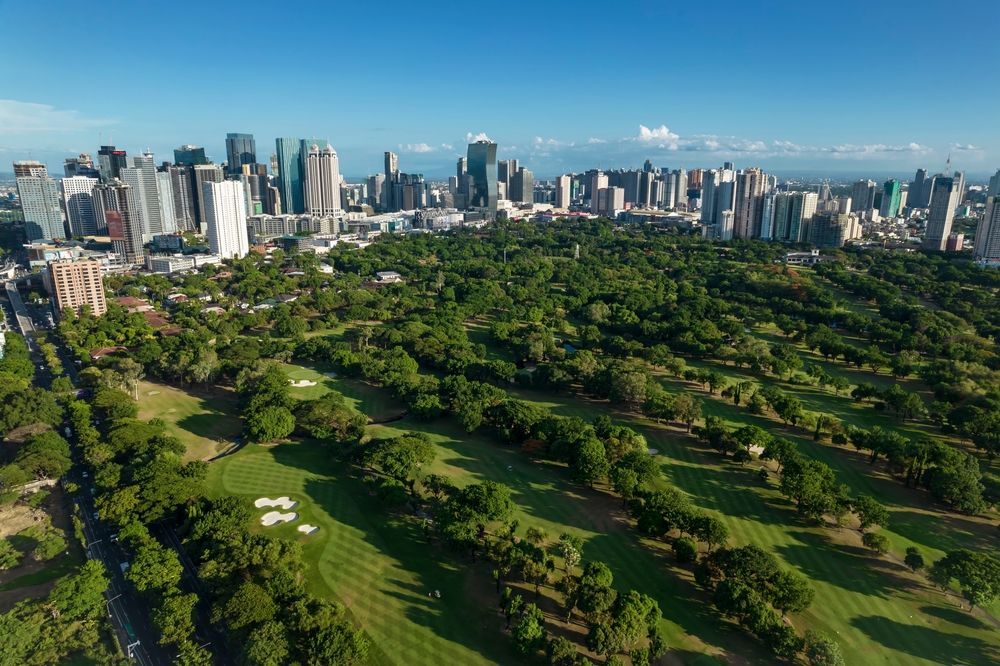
(685, 550)
(49, 547)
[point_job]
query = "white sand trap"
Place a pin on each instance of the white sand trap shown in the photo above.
(275, 517)
(283, 502)
(652, 452)
(330, 375)
(302, 383)
(152, 393)
(308, 529)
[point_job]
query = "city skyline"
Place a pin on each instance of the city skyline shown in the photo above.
(680, 99)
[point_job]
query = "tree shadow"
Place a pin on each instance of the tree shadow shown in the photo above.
(954, 616)
(849, 567)
(930, 644)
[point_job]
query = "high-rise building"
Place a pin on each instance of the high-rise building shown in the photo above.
(75, 284)
(289, 153)
(39, 196)
(987, 244)
(725, 224)
(141, 175)
(119, 211)
(890, 198)
(240, 149)
(611, 200)
(78, 194)
(376, 190)
(830, 229)
(563, 191)
(168, 208)
(767, 216)
(863, 196)
(944, 198)
(182, 192)
(482, 162)
(226, 218)
(110, 162)
(749, 203)
(522, 186)
(204, 173)
(322, 181)
(919, 190)
(190, 155)
(792, 214)
(81, 166)
(393, 188)
(598, 182)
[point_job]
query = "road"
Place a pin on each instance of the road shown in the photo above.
(129, 614)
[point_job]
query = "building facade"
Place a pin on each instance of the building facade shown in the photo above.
(944, 198)
(78, 194)
(482, 163)
(322, 179)
(226, 218)
(74, 284)
(240, 149)
(289, 154)
(39, 196)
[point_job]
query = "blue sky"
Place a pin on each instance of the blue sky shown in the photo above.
(881, 86)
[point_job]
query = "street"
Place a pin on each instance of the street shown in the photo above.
(130, 615)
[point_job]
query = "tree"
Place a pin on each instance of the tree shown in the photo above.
(685, 550)
(268, 645)
(154, 568)
(250, 605)
(877, 542)
(822, 650)
(840, 383)
(8, 556)
(536, 536)
(592, 463)
(269, 423)
(978, 575)
(687, 409)
(779, 450)
(791, 592)
(914, 559)
(870, 512)
(561, 652)
(173, 617)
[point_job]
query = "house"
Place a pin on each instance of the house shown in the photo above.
(167, 332)
(178, 298)
(804, 258)
(97, 354)
(155, 320)
(286, 298)
(213, 308)
(133, 304)
(388, 276)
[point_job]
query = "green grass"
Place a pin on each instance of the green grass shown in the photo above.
(205, 423)
(369, 400)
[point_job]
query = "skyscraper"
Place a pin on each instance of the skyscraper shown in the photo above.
(190, 155)
(522, 186)
(322, 181)
(240, 149)
(290, 167)
(165, 196)
(987, 245)
(792, 214)
(182, 191)
(78, 193)
(376, 190)
(39, 195)
(482, 156)
(919, 190)
(749, 203)
(226, 218)
(81, 166)
(598, 182)
(110, 162)
(863, 196)
(119, 211)
(563, 191)
(204, 173)
(890, 199)
(944, 198)
(141, 175)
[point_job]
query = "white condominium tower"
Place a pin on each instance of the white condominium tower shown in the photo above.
(226, 218)
(322, 188)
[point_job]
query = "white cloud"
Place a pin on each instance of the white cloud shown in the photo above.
(446, 146)
(658, 134)
(26, 117)
(472, 138)
(593, 140)
(968, 146)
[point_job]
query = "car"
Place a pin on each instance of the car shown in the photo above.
(84, 473)
(93, 491)
(510, 468)
(114, 538)
(97, 516)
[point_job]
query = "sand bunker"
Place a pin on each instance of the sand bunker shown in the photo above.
(283, 502)
(308, 529)
(302, 383)
(275, 517)
(330, 375)
(652, 452)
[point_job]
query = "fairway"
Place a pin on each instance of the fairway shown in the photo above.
(205, 423)
(374, 403)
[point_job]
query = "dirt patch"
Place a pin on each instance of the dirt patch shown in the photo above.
(15, 438)
(10, 598)
(18, 517)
